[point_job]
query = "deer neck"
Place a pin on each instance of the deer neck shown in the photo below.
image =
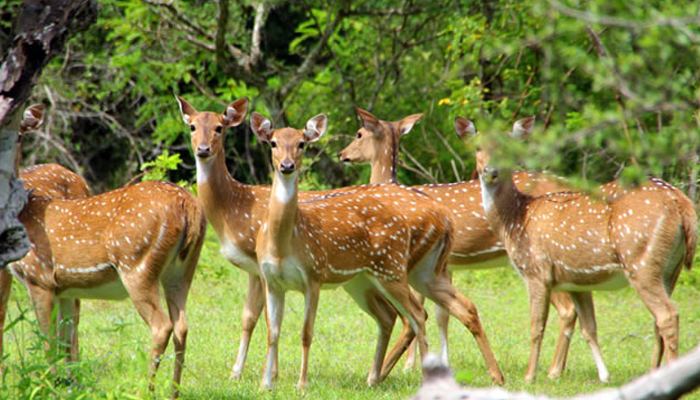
(281, 214)
(218, 191)
(382, 169)
(504, 205)
(384, 163)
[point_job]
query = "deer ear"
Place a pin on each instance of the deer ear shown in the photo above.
(464, 128)
(406, 124)
(32, 118)
(316, 127)
(186, 110)
(368, 120)
(235, 112)
(522, 128)
(261, 126)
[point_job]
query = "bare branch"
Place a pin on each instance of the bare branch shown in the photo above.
(260, 16)
(621, 85)
(388, 12)
(184, 20)
(421, 170)
(679, 377)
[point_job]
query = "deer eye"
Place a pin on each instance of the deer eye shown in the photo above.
(219, 129)
(301, 145)
(273, 144)
(359, 135)
(192, 128)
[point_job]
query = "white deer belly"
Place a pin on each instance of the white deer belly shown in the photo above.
(287, 274)
(113, 290)
(235, 255)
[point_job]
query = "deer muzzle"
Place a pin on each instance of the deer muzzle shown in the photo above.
(490, 174)
(203, 151)
(287, 167)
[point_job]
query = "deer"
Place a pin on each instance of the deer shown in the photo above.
(475, 246)
(380, 236)
(576, 243)
(129, 242)
(50, 180)
(236, 211)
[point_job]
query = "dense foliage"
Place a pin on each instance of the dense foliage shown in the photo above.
(614, 84)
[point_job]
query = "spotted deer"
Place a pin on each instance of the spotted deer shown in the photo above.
(123, 243)
(236, 210)
(380, 236)
(49, 180)
(578, 243)
(474, 246)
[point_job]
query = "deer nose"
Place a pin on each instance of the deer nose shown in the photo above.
(203, 151)
(342, 157)
(287, 166)
(490, 173)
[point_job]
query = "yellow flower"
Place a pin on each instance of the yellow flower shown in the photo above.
(445, 101)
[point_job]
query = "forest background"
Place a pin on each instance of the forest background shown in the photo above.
(614, 84)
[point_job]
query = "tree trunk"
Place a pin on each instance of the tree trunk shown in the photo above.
(672, 381)
(39, 33)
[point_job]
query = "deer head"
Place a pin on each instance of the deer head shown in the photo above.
(288, 143)
(490, 173)
(208, 127)
(375, 136)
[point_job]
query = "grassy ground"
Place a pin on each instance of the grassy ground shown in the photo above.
(115, 342)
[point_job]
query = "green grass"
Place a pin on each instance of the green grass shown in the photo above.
(115, 343)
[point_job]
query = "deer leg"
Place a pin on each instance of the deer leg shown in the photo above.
(412, 347)
(399, 294)
(664, 311)
(176, 298)
(74, 343)
(310, 308)
(251, 313)
(275, 313)
(441, 291)
(586, 312)
(567, 321)
(5, 288)
(373, 303)
(386, 317)
(66, 328)
(442, 317)
(176, 289)
(405, 338)
(658, 352)
(43, 301)
(146, 299)
(539, 307)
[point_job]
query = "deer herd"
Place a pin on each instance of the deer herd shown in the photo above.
(389, 246)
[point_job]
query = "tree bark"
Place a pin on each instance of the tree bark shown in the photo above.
(672, 381)
(39, 33)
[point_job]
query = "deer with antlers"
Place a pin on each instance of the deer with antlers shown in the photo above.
(123, 243)
(236, 212)
(51, 181)
(357, 240)
(474, 246)
(578, 243)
